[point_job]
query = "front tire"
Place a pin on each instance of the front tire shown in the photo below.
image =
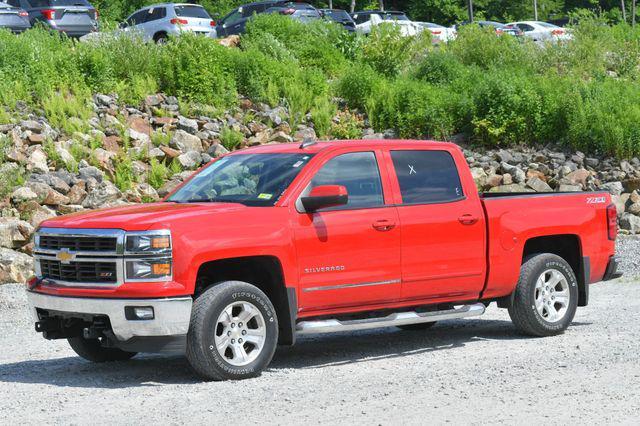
(233, 332)
(92, 350)
(546, 297)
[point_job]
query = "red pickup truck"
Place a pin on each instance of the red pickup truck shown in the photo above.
(272, 242)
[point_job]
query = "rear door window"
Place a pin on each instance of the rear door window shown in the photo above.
(427, 177)
(156, 13)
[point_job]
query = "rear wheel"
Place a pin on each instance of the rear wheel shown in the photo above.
(233, 332)
(546, 297)
(418, 326)
(92, 350)
(161, 38)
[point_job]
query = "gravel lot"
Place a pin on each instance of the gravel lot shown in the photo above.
(472, 371)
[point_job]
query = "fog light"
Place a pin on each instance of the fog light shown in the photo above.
(139, 313)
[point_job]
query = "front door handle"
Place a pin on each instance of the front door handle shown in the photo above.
(384, 225)
(467, 219)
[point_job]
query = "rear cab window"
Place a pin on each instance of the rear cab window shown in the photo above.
(187, 11)
(427, 176)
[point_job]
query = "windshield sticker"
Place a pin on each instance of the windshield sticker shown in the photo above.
(265, 196)
(298, 164)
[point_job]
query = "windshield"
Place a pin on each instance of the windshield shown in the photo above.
(192, 12)
(395, 17)
(249, 179)
(547, 25)
(337, 15)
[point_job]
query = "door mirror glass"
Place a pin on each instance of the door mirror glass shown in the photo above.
(325, 196)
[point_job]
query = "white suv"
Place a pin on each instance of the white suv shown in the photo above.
(159, 21)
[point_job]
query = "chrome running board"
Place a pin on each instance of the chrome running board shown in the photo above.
(392, 320)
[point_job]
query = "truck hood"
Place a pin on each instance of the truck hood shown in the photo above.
(141, 217)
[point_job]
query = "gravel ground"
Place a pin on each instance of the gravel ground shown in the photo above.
(471, 371)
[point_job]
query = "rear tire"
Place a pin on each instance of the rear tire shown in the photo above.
(92, 350)
(233, 332)
(161, 38)
(546, 297)
(417, 327)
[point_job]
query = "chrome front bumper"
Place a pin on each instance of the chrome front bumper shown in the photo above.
(172, 315)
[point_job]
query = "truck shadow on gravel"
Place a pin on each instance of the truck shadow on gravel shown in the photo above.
(310, 352)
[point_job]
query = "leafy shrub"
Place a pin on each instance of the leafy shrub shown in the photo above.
(322, 113)
(388, 52)
(158, 173)
(357, 84)
(230, 138)
(347, 126)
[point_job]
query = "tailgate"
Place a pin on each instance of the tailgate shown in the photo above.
(11, 18)
(74, 18)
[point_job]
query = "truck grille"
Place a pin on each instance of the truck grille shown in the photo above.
(82, 272)
(73, 243)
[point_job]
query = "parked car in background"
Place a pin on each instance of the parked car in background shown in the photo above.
(236, 20)
(365, 20)
(74, 18)
(498, 27)
(13, 18)
(302, 12)
(340, 16)
(542, 31)
(439, 33)
(159, 21)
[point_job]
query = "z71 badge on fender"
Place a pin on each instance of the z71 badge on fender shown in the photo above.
(596, 200)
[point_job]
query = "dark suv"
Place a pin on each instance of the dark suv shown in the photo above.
(72, 17)
(236, 21)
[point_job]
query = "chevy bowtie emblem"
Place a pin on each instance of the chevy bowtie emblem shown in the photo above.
(65, 256)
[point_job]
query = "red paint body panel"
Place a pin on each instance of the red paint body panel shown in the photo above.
(461, 251)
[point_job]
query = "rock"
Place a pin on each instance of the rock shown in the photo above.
(106, 192)
(168, 187)
(577, 177)
(41, 189)
(170, 152)
(280, 137)
(163, 121)
(188, 125)
(32, 126)
(634, 197)
(538, 185)
(515, 187)
(154, 100)
(14, 233)
(634, 209)
(23, 194)
(507, 179)
(156, 153)
(104, 100)
(517, 173)
(479, 177)
(77, 193)
(54, 198)
(70, 208)
(531, 173)
(216, 150)
(64, 154)
(140, 125)
(304, 134)
(631, 185)
(592, 162)
(104, 158)
(15, 267)
(190, 160)
(569, 188)
(494, 180)
(185, 142)
(504, 156)
(37, 162)
(112, 143)
(614, 188)
(620, 201)
(54, 181)
(135, 135)
(35, 139)
(39, 214)
(89, 172)
(630, 223)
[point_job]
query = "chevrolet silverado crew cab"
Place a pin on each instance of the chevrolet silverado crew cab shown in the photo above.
(273, 242)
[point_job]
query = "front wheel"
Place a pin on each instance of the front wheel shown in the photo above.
(233, 332)
(546, 297)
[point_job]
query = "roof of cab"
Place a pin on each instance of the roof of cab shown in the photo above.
(327, 145)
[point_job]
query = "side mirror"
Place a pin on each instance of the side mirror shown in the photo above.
(325, 196)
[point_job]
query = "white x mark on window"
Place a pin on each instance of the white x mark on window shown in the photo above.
(412, 171)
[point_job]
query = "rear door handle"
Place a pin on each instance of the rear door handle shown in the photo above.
(467, 219)
(384, 225)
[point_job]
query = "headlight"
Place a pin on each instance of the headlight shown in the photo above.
(148, 269)
(150, 242)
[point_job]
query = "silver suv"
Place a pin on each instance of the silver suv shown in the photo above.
(74, 18)
(159, 21)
